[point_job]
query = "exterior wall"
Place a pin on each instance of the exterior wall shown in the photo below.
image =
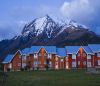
(70, 61)
(96, 59)
(66, 63)
(56, 63)
(81, 60)
(62, 66)
(30, 61)
(42, 59)
(16, 62)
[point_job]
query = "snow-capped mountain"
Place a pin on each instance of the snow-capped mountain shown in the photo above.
(48, 31)
(46, 25)
(40, 25)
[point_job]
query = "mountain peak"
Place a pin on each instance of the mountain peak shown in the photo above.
(46, 25)
(40, 25)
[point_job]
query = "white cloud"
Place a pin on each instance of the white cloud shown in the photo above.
(79, 10)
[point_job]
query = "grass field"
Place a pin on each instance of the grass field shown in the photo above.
(52, 78)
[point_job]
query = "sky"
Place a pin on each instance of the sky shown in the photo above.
(14, 14)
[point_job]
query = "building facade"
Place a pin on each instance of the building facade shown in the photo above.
(51, 57)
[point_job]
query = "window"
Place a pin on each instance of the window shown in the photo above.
(88, 64)
(10, 65)
(62, 60)
(44, 62)
(84, 54)
(35, 62)
(19, 56)
(24, 58)
(39, 62)
(66, 59)
(45, 54)
(98, 55)
(73, 56)
(79, 54)
(19, 64)
(84, 62)
(73, 64)
(23, 65)
(35, 55)
(78, 62)
(49, 56)
(50, 62)
(67, 65)
(98, 62)
(56, 58)
(39, 54)
(88, 56)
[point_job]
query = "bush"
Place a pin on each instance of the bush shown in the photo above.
(8, 69)
(22, 69)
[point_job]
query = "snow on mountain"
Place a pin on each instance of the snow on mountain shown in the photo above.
(50, 27)
(40, 25)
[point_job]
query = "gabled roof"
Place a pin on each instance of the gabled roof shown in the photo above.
(61, 52)
(75, 49)
(8, 59)
(72, 49)
(87, 49)
(25, 51)
(49, 49)
(95, 47)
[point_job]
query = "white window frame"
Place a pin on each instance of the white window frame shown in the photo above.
(35, 55)
(89, 64)
(73, 56)
(10, 65)
(62, 60)
(99, 62)
(23, 65)
(88, 56)
(98, 54)
(45, 62)
(74, 64)
(49, 56)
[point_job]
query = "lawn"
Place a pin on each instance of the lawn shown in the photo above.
(52, 78)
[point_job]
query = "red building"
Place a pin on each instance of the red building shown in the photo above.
(51, 57)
